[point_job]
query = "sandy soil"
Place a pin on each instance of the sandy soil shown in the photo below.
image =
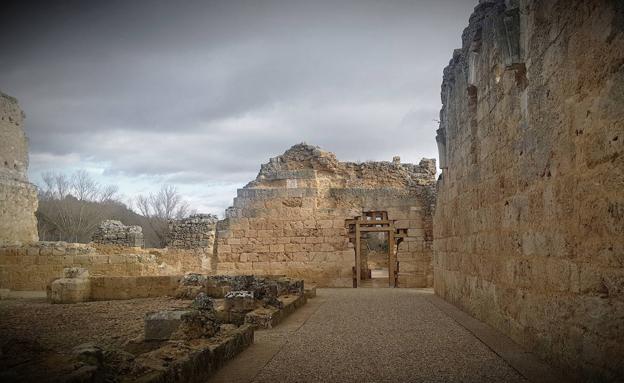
(37, 338)
(64, 326)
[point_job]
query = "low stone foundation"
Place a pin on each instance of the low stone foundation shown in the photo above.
(33, 266)
(269, 317)
(191, 362)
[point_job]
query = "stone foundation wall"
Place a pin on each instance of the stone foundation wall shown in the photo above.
(291, 219)
(111, 232)
(18, 198)
(529, 222)
(33, 266)
(117, 288)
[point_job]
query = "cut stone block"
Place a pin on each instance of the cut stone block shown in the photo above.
(161, 325)
(239, 301)
(70, 290)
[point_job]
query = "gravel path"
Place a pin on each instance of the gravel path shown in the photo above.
(376, 335)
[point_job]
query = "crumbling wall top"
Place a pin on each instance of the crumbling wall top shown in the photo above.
(194, 232)
(111, 232)
(303, 161)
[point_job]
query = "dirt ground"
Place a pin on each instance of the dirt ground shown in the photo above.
(37, 333)
(64, 326)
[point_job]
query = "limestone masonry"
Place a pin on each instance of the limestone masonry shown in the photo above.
(32, 266)
(18, 198)
(291, 219)
(529, 222)
(111, 232)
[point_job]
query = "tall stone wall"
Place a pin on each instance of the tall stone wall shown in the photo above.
(291, 219)
(18, 198)
(529, 222)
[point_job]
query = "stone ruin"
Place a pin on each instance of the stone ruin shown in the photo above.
(111, 232)
(528, 229)
(291, 220)
(18, 197)
(529, 221)
(194, 232)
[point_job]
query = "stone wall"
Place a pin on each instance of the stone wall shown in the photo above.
(291, 219)
(529, 222)
(18, 198)
(33, 266)
(111, 232)
(194, 232)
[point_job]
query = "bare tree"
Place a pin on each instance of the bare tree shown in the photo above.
(161, 207)
(55, 185)
(108, 193)
(70, 208)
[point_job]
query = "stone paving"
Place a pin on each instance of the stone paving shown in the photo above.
(369, 335)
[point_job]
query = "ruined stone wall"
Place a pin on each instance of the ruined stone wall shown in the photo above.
(33, 266)
(18, 198)
(196, 231)
(291, 219)
(111, 232)
(529, 223)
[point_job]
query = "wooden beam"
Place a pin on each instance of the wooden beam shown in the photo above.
(387, 229)
(358, 268)
(391, 259)
(379, 222)
(351, 222)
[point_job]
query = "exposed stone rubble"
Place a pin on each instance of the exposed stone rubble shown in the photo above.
(218, 286)
(173, 361)
(529, 222)
(18, 197)
(194, 232)
(239, 301)
(291, 219)
(260, 301)
(111, 232)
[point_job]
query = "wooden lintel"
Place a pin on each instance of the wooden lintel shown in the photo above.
(386, 229)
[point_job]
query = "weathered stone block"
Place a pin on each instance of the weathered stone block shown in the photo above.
(69, 290)
(162, 324)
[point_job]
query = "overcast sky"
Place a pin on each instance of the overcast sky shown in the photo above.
(200, 93)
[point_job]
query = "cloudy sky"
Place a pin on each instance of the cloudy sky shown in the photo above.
(200, 93)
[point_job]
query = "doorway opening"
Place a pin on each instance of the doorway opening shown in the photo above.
(375, 240)
(375, 259)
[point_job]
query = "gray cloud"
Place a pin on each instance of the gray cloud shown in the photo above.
(200, 93)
